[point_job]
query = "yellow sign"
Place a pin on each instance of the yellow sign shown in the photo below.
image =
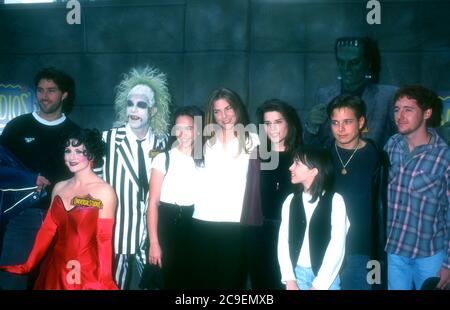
(15, 100)
(87, 202)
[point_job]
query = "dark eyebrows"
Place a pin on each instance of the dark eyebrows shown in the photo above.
(405, 106)
(53, 88)
(276, 120)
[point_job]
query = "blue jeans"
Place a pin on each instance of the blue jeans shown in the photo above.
(18, 241)
(305, 277)
(408, 273)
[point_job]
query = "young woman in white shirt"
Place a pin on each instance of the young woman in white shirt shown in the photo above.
(314, 225)
(173, 189)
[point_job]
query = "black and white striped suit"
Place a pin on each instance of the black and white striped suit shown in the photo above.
(121, 171)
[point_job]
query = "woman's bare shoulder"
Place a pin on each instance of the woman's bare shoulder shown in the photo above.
(60, 187)
(102, 188)
(106, 194)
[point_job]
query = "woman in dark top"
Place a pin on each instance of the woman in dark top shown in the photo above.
(280, 134)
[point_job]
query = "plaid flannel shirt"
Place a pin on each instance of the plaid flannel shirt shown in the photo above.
(418, 219)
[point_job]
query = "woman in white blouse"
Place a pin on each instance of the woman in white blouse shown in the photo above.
(173, 189)
(219, 251)
(314, 225)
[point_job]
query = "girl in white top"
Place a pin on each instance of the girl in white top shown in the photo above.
(173, 189)
(314, 225)
(217, 214)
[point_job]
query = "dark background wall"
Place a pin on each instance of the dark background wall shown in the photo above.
(260, 48)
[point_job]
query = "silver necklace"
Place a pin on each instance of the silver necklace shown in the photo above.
(343, 170)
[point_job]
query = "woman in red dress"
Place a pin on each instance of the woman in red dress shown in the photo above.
(76, 235)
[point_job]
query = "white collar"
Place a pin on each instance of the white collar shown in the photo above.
(131, 135)
(49, 123)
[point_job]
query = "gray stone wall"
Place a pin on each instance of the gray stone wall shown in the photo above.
(260, 48)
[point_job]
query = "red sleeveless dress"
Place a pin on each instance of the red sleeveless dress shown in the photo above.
(72, 260)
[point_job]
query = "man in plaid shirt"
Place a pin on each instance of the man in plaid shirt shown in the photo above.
(418, 219)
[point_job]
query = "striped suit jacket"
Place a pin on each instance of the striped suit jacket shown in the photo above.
(120, 169)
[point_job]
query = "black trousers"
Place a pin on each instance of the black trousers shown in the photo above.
(219, 256)
(262, 258)
(175, 238)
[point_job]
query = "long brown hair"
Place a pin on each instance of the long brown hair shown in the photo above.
(235, 101)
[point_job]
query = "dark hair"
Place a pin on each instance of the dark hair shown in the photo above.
(355, 103)
(425, 98)
(64, 82)
(92, 141)
(192, 111)
(294, 128)
(370, 51)
(235, 101)
(315, 157)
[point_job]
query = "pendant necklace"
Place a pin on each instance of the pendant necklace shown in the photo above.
(343, 170)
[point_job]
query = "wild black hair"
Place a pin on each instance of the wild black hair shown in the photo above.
(92, 140)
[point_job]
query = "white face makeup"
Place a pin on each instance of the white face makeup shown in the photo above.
(140, 99)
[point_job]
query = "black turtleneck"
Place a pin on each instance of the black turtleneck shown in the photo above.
(275, 186)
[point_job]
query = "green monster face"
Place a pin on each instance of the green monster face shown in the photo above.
(353, 67)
